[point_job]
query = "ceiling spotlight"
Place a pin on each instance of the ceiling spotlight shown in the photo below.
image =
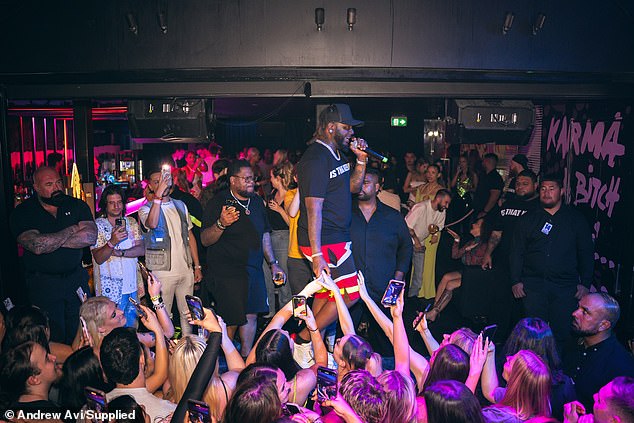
(320, 17)
(132, 26)
(508, 22)
(162, 22)
(539, 23)
(351, 18)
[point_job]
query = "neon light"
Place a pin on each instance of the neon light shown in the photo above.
(66, 146)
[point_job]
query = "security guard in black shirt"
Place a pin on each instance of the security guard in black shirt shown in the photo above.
(53, 228)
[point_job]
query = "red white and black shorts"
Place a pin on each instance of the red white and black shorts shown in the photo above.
(342, 269)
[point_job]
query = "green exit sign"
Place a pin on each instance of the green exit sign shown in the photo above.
(399, 120)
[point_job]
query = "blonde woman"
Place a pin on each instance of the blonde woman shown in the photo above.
(183, 361)
(527, 394)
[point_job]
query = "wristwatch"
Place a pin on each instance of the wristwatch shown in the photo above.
(273, 262)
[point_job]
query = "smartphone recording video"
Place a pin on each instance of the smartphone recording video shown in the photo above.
(138, 308)
(326, 383)
(95, 399)
(195, 306)
(198, 412)
(392, 292)
(299, 306)
(489, 332)
(120, 222)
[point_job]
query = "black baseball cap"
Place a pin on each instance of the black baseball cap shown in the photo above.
(338, 113)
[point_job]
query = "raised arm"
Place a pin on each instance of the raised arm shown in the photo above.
(282, 316)
(417, 363)
(356, 179)
(489, 379)
(211, 234)
(154, 289)
(156, 380)
(400, 341)
(235, 362)
(430, 342)
(347, 326)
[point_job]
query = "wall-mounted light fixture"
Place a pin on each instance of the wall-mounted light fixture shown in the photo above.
(162, 19)
(132, 26)
(320, 18)
(539, 23)
(508, 22)
(351, 18)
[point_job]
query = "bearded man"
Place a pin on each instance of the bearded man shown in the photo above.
(551, 260)
(237, 234)
(53, 228)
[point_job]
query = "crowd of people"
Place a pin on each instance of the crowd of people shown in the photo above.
(292, 260)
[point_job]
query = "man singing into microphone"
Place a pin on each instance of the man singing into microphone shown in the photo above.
(325, 187)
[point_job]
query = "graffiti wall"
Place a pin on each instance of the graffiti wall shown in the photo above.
(591, 145)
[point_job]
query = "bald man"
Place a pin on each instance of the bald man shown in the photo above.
(53, 228)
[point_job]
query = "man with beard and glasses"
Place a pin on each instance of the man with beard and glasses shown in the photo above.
(425, 221)
(597, 357)
(551, 260)
(237, 234)
(171, 252)
(524, 200)
(326, 182)
(53, 228)
(382, 250)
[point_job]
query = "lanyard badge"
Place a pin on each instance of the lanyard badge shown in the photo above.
(547, 227)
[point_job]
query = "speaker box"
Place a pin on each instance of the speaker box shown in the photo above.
(168, 120)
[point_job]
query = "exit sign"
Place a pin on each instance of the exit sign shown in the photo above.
(399, 120)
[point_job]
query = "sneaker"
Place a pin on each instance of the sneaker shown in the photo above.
(303, 355)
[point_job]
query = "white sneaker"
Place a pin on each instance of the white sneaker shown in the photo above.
(304, 355)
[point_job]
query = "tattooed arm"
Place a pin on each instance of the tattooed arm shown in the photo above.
(38, 243)
(85, 237)
(494, 240)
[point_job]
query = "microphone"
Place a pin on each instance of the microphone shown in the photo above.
(378, 156)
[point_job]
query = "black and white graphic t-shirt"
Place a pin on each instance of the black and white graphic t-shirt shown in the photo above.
(324, 173)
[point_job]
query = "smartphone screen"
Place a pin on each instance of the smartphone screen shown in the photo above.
(392, 292)
(144, 270)
(230, 203)
(198, 412)
(95, 399)
(195, 307)
(81, 294)
(489, 332)
(299, 306)
(139, 310)
(326, 383)
(291, 409)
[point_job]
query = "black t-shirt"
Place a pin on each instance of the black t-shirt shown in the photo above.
(31, 215)
(322, 175)
(276, 220)
(241, 243)
(505, 221)
(486, 183)
(195, 211)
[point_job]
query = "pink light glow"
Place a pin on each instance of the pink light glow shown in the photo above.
(134, 206)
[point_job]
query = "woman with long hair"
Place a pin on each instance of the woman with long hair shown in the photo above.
(256, 400)
(448, 363)
(471, 254)
(183, 361)
(276, 348)
(534, 334)
(81, 369)
(450, 401)
(527, 394)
